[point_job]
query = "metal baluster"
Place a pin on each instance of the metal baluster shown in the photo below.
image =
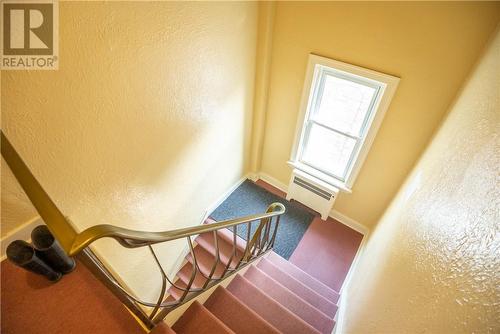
(207, 276)
(227, 267)
(262, 237)
(172, 283)
(235, 236)
(258, 249)
(235, 244)
(163, 286)
(266, 234)
(216, 262)
(277, 222)
(193, 273)
(233, 255)
(247, 250)
(257, 239)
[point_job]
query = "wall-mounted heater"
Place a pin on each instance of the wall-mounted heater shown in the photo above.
(311, 192)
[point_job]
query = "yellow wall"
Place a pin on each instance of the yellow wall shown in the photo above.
(430, 46)
(16, 208)
(432, 261)
(148, 119)
(145, 124)
(267, 12)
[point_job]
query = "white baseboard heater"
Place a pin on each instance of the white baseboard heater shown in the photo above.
(312, 192)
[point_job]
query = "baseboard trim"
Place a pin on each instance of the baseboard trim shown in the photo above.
(253, 176)
(225, 195)
(358, 227)
(272, 181)
(22, 232)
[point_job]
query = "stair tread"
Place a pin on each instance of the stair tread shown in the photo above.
(198, 320)
(297, 287)
(290, 300)
(175, 293)
(207, 241)
(269, 309)
(227, 235)
(304, 277)
(236, 315)
(185, 276)
(205, 261)
(162, 328)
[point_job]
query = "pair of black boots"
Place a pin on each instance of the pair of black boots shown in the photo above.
(46, 257)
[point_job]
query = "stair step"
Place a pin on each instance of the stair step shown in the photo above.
(207, 241)
(236, 315)
(290, 300)
(304, 277)
(205, 262)
(269, 309)
(198, 320)
(185, 276)
(297, 287)
(227, 235)
(175, 293)
(201, 275)
(162, 328)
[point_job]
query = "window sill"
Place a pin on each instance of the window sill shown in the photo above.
(319, 176)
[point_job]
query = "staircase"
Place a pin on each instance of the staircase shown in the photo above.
(267, 294)
(271, 296)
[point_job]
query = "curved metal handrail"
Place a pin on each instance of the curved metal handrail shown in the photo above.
(132, 238)
(257, 244)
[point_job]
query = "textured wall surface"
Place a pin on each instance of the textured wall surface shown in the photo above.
(432, 264)
(431, 46)
(145, 124)
(16, 208)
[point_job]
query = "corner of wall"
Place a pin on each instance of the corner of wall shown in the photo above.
(267, 12)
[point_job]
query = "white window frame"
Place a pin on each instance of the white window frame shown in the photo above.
(386, 85)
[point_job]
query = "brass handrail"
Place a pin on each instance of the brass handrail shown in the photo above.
(50, 213)
(132, 238)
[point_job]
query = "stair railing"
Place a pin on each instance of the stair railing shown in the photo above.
(261, 230)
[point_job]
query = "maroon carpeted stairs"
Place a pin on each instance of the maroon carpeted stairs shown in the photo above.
(272, 296)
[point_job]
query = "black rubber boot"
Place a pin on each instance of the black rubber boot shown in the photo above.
(48, 249)
(23, 255)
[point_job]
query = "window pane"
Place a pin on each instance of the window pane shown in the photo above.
(343, 104)
(328, 150)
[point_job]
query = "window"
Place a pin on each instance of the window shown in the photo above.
(342, 108)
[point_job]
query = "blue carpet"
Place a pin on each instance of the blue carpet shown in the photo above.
(249, 199)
